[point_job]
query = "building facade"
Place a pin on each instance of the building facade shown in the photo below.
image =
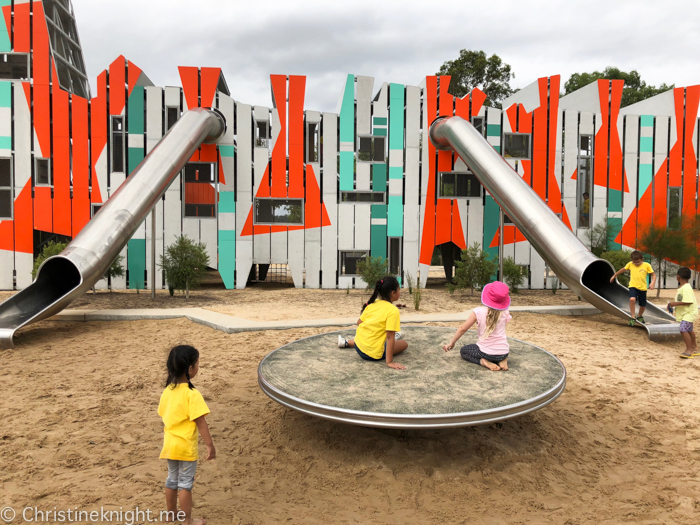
(318, 191)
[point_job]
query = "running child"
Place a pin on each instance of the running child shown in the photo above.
(182, 408)
(686, 307)
(492, 349)
(638, 284)
(378, 335)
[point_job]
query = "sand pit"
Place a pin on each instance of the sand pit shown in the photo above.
(622, 444)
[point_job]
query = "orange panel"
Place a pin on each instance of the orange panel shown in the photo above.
(462, 107)
(7, 15)
(446, 100)
(41, 52)
(42, 119)
(22, 28)
(222, 174)
(660, 195)
(81, 167)
(61, 163)
(7, 236)
(675, 161)
(98, 134)
(600, 164)
(443, 222)
(117, 86)
(279, 151)
(297, 88)
(553, 181)
(692, 100)
(617, 178)
(24, 229)
(198, 193)
(207, 153)
(189, 76)
(428, 234)
(210, 81)
(43, 210)
(134, 73)
(458, 235)
(478, 99)
(524, 120)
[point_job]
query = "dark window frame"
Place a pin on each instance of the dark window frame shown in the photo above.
(344, 194)
(469, 175)
(36, 173)
(668, 207)
(529, 146)
(287, 201)
(112, 135)
(3, 60)
(342, 254)
(6, 189)
(194, 207)
(372, 153)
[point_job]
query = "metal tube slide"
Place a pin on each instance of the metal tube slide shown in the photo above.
(65, 277)
(568, 257)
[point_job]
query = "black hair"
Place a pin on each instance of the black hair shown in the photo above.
(684, 273)
(636, 255)
(180, 360)
(586, 193)
(383, 289)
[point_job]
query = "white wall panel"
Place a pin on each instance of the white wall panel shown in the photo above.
(362, 226)
(346, 226)
(119, 283)
(329, 234)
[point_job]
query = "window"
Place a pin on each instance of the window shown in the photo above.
(279, 211)
(172, 114)
(349, 260)
(200, 190)
(5, 188)
(312, 145)
(675, 198)
(42, 172)
(480, 124)
(14, 66)
(458, 185)
(370, 197)
(95, 209)
(118, 144)
(371, 149)
(395, 246)
(583, 180)
(262, 133)
(507, 220)
(516, 145)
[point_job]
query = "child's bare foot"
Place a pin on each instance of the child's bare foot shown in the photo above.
(503, 364)
(488, 364)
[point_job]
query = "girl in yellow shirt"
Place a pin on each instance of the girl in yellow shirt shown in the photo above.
(182, 408)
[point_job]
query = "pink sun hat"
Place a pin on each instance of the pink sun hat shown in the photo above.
(495, 295)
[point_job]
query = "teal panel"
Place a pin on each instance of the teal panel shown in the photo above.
(379, 177)
(615, 225)
(396, 116)
(396, 173)
(5, 3)
(646, 120)
(136, 263)
(379, 132)
(5, 44)
(227, 258)
(226, 151)
(492, 217)
(5, 142)
(379, 211)
(347, 111)
(135, 157)
(378, 241)
(395, 216)
(646, 144)
(227, 203)
(347, 166)
(493, 130)
(136, 114)
(614, 200)
(379, 121)
(5, 94)
(645, 175)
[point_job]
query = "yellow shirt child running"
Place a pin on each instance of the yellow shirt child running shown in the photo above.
(638, 275)
(179, 407)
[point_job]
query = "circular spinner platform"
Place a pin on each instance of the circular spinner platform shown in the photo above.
(437, 390)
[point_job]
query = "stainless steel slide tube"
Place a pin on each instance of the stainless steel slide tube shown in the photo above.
(568, 257)
(85, 260)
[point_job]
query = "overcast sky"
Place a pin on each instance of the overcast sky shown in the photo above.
(390, 40)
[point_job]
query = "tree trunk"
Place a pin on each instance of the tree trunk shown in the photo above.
(187, 291)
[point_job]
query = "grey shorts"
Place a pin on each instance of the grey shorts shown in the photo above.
(180, 474)
(686, 327)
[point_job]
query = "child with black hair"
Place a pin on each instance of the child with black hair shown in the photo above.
(182, 408)
(686, 307)
(378, 336)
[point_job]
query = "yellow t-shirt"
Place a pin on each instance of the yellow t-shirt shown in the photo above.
(638, 275)
(377, 318)
(685, 294)
(586, 206)
(179, 407)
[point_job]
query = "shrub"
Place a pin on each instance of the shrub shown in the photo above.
(409, 282)
(662, 243)
(184, 264)
(417, 296)
(372, 269)
(619, 259)
(115, 270)
(50, 249)
(513, 274)
(601, 236)
(475, 269)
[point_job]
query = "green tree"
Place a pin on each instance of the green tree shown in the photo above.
(184, 264)
(371, 269)
(50, 249)
(662, 243)
(634, 91)
(513, 274)
(601, 236)
(474, 270)
(619, 259)
(473, 69)
(115, 270)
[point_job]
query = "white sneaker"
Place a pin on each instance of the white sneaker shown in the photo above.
(342, 343)
(397, 336)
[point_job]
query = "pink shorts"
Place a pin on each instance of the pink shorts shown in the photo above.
(686, 326)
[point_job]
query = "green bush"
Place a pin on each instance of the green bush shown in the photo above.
(115, 270)
(663, 243)
(475, 269)
(619, 259)
(372, 269)
(184, 264)
(513, 274)
(50, 249)
(601, 236)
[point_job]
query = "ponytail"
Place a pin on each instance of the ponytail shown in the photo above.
(383, 289)
(180, 360)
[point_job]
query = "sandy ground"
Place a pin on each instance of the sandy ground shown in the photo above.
(622, 445)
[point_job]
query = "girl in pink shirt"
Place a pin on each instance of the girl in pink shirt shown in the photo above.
(491, 350)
